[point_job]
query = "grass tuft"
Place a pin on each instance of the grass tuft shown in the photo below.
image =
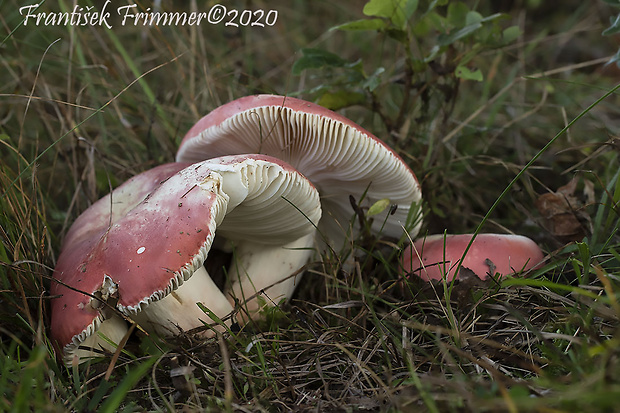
(84, 108)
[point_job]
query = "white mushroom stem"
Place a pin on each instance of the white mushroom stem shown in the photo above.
(267, 271)
(271, 220)
(111, 330)
(179, 311)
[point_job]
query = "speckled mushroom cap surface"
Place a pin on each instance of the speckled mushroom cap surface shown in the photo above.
(341, 158)
(86, 246)
(436, 257)
(146, 238)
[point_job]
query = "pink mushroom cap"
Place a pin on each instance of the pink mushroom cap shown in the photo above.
(85, 248)
(437, 257)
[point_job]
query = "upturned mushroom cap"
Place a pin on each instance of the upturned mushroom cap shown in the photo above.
(142, 245)
(338, 156)
(437, 257)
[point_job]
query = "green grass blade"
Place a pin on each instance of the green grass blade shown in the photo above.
(136, 373)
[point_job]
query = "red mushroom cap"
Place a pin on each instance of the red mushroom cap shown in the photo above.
(437, 257)
(83, 243)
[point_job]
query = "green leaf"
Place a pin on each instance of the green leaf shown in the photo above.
(457, 13)
(398, 11)
(471, 54)
(379, 8)
(473, 21)
(511, 34)
(614, 28)
(430, 22)
(473, 17)
(373, 80)
(615, 59)
(317, 59)
(519, 392)
(405, 11)
(341, 99)
(378, 207)
(453, 36)
(432, 54)
(364, 24)
(398, 35)
(463, 72)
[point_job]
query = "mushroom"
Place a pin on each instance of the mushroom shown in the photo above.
(341, 158)
(437, 257)
(139, 252)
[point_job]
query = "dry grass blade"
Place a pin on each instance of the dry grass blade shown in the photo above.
(83, 108)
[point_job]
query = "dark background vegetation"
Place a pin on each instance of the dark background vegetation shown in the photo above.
(84, 108)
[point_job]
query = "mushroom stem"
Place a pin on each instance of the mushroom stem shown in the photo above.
(271, 271)
(178, 311)
(112, 329)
